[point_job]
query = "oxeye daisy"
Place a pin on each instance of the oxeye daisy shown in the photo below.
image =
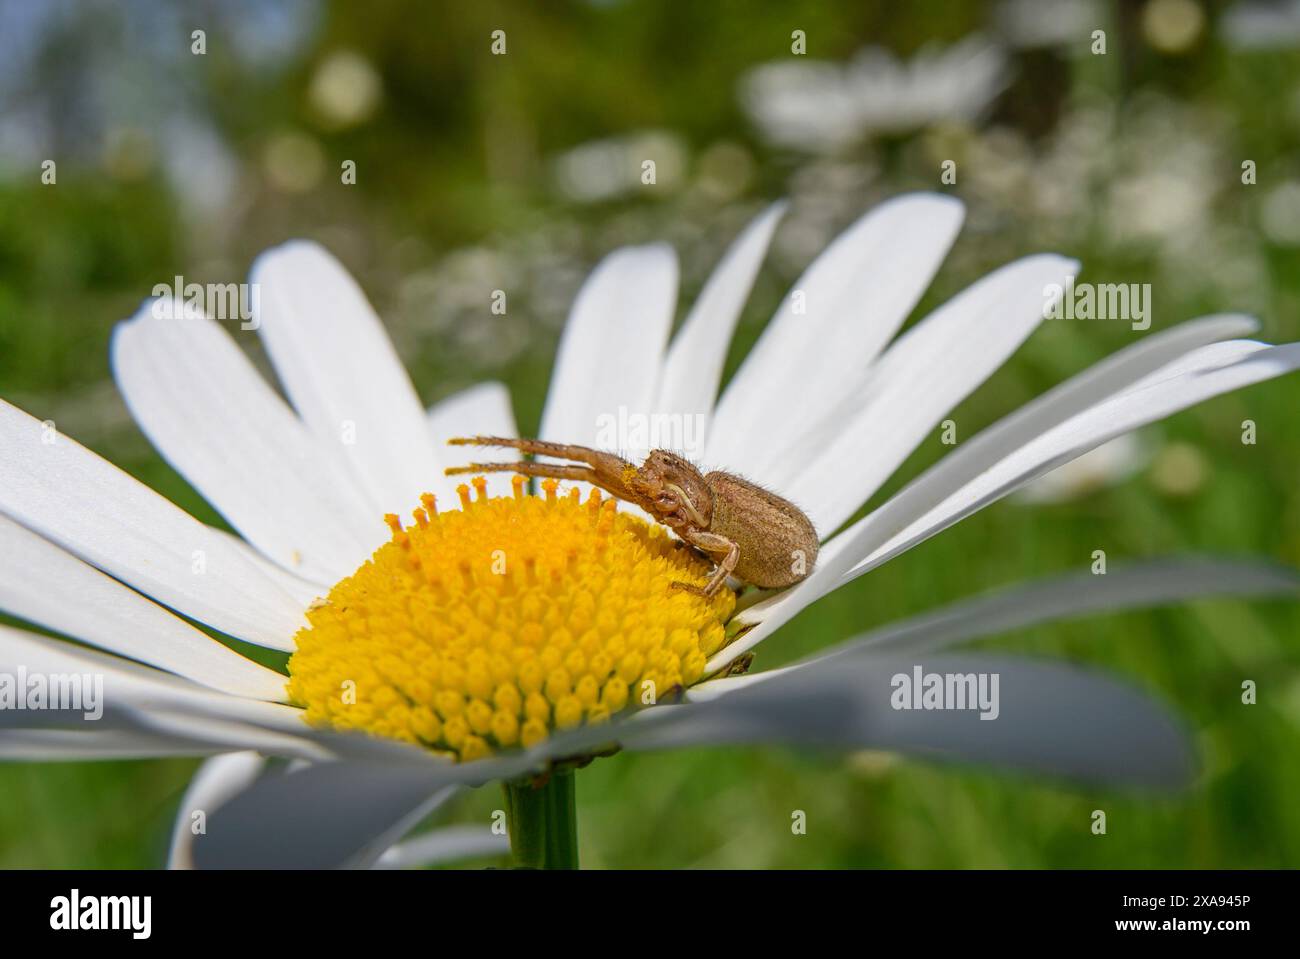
(821, 107)
(442, 633)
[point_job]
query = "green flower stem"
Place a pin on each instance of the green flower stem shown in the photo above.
(543, 822)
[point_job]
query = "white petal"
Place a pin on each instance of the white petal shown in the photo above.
(1059, 598)
(339, 813)
(324, 816)
(142, 698)
(1052, 599)
(447, 844)
(78, 745)
(832, 324)
(228, 734)
(217, 781)
(932, 367)
(124, 735)
(1050, 718)
(692, 369)
(303, 591)
(212, 416)
(1111, 377)
(221, 779)
(58, 488)
(1084, 432)
(482, 410)
(343, 376)
(370, 855)
(1208, 357)
(610, 354)
(42, 584)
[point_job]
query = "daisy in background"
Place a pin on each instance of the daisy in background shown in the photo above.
(1033, 24)
(1106, 465)
(498, 634)
(1254, 25)
(817, 106)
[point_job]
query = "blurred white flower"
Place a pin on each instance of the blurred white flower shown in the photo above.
(1106, 465)
(607, 169)
(819, 106)
(1161, 204)
(1248, 26)
(1166, 178)
(1029, 24)
(200, 166)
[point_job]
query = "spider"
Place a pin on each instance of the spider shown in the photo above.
(747, 531)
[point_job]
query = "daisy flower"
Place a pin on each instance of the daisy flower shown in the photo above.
(1033, 24)
(1262, 26)
(502, 633)
(819, 106)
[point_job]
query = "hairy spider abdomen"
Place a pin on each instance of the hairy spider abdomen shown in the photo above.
(788, 547)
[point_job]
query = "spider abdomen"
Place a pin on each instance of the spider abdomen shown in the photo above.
(778, 544)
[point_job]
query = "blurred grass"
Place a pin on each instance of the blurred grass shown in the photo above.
(432, 167)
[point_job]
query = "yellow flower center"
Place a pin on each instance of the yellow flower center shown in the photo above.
(488, 627)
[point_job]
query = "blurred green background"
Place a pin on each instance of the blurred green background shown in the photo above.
(477, 172)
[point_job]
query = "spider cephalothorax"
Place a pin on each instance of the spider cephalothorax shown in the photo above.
(671, 489)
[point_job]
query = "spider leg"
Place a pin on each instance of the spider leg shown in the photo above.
(563, 451)
(552, 470)
(563, 471)
(713, 546)
(606, 470)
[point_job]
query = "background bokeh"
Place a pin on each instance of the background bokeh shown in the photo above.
(477, 172)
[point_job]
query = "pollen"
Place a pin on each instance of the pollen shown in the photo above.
(492, 626)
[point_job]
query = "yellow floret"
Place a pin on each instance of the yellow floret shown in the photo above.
(492, 626)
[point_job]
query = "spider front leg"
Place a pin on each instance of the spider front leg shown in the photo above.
(603, 469)
(713, 546)
(560, 451)
(552, 470)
